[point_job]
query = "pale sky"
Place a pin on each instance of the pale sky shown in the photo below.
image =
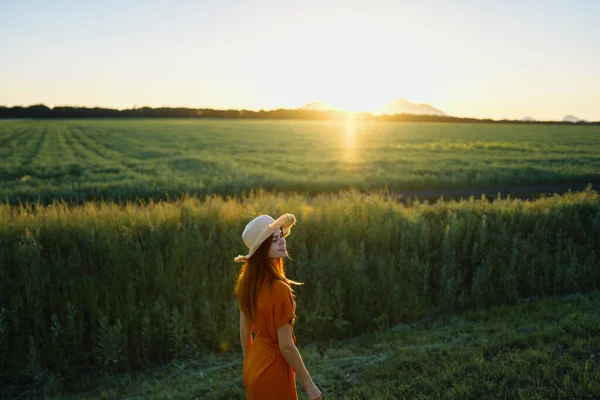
(498, 59)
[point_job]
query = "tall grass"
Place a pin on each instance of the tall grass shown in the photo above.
(117, 286)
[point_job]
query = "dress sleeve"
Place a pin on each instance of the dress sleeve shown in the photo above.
(283, 304)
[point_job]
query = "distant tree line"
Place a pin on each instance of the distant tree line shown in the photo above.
(42, 111)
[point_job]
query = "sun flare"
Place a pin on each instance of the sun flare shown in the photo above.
(350, 132)
(349, 139)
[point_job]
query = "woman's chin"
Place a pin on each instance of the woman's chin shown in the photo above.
(282, 254)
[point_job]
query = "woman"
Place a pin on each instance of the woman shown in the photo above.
(267, 307)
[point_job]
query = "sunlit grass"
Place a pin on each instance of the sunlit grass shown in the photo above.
(105, 287)
(113, 287)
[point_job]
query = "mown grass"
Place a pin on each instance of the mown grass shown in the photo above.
(116, 287)
(83, 160)
(536, 349)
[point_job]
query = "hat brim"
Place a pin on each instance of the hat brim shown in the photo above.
(285, 222)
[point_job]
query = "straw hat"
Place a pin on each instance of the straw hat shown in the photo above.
(261, 228)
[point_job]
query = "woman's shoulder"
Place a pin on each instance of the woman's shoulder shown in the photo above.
(280, 288)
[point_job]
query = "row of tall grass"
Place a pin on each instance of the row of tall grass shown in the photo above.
(81, 160)
(119, 286)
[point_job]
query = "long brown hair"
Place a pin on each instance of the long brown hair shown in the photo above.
(253, 274)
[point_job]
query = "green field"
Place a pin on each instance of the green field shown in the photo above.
(95, 291)
(110, 287)
(127, 159)
(539, 349)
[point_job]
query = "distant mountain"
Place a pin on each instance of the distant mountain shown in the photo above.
(402, 106)
(571, 118)
(316, 106)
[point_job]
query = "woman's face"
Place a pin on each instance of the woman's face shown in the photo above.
(277, 249)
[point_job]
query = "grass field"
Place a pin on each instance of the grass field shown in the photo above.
(128, 159)
(112, 287)
(105, 288)
(539, 349)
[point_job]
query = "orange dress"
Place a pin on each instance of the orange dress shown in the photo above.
(267, 374)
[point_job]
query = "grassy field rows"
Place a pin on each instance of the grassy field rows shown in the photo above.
(8, 136)
(128, 159)
(35, 149)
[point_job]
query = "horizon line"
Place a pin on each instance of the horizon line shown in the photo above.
(374, 114)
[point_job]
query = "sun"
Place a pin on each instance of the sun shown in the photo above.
(359, 92)
(356, 101)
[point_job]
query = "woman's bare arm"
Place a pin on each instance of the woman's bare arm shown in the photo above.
(292, 356)
(245, 333)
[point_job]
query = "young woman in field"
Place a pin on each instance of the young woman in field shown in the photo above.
(267, 308)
